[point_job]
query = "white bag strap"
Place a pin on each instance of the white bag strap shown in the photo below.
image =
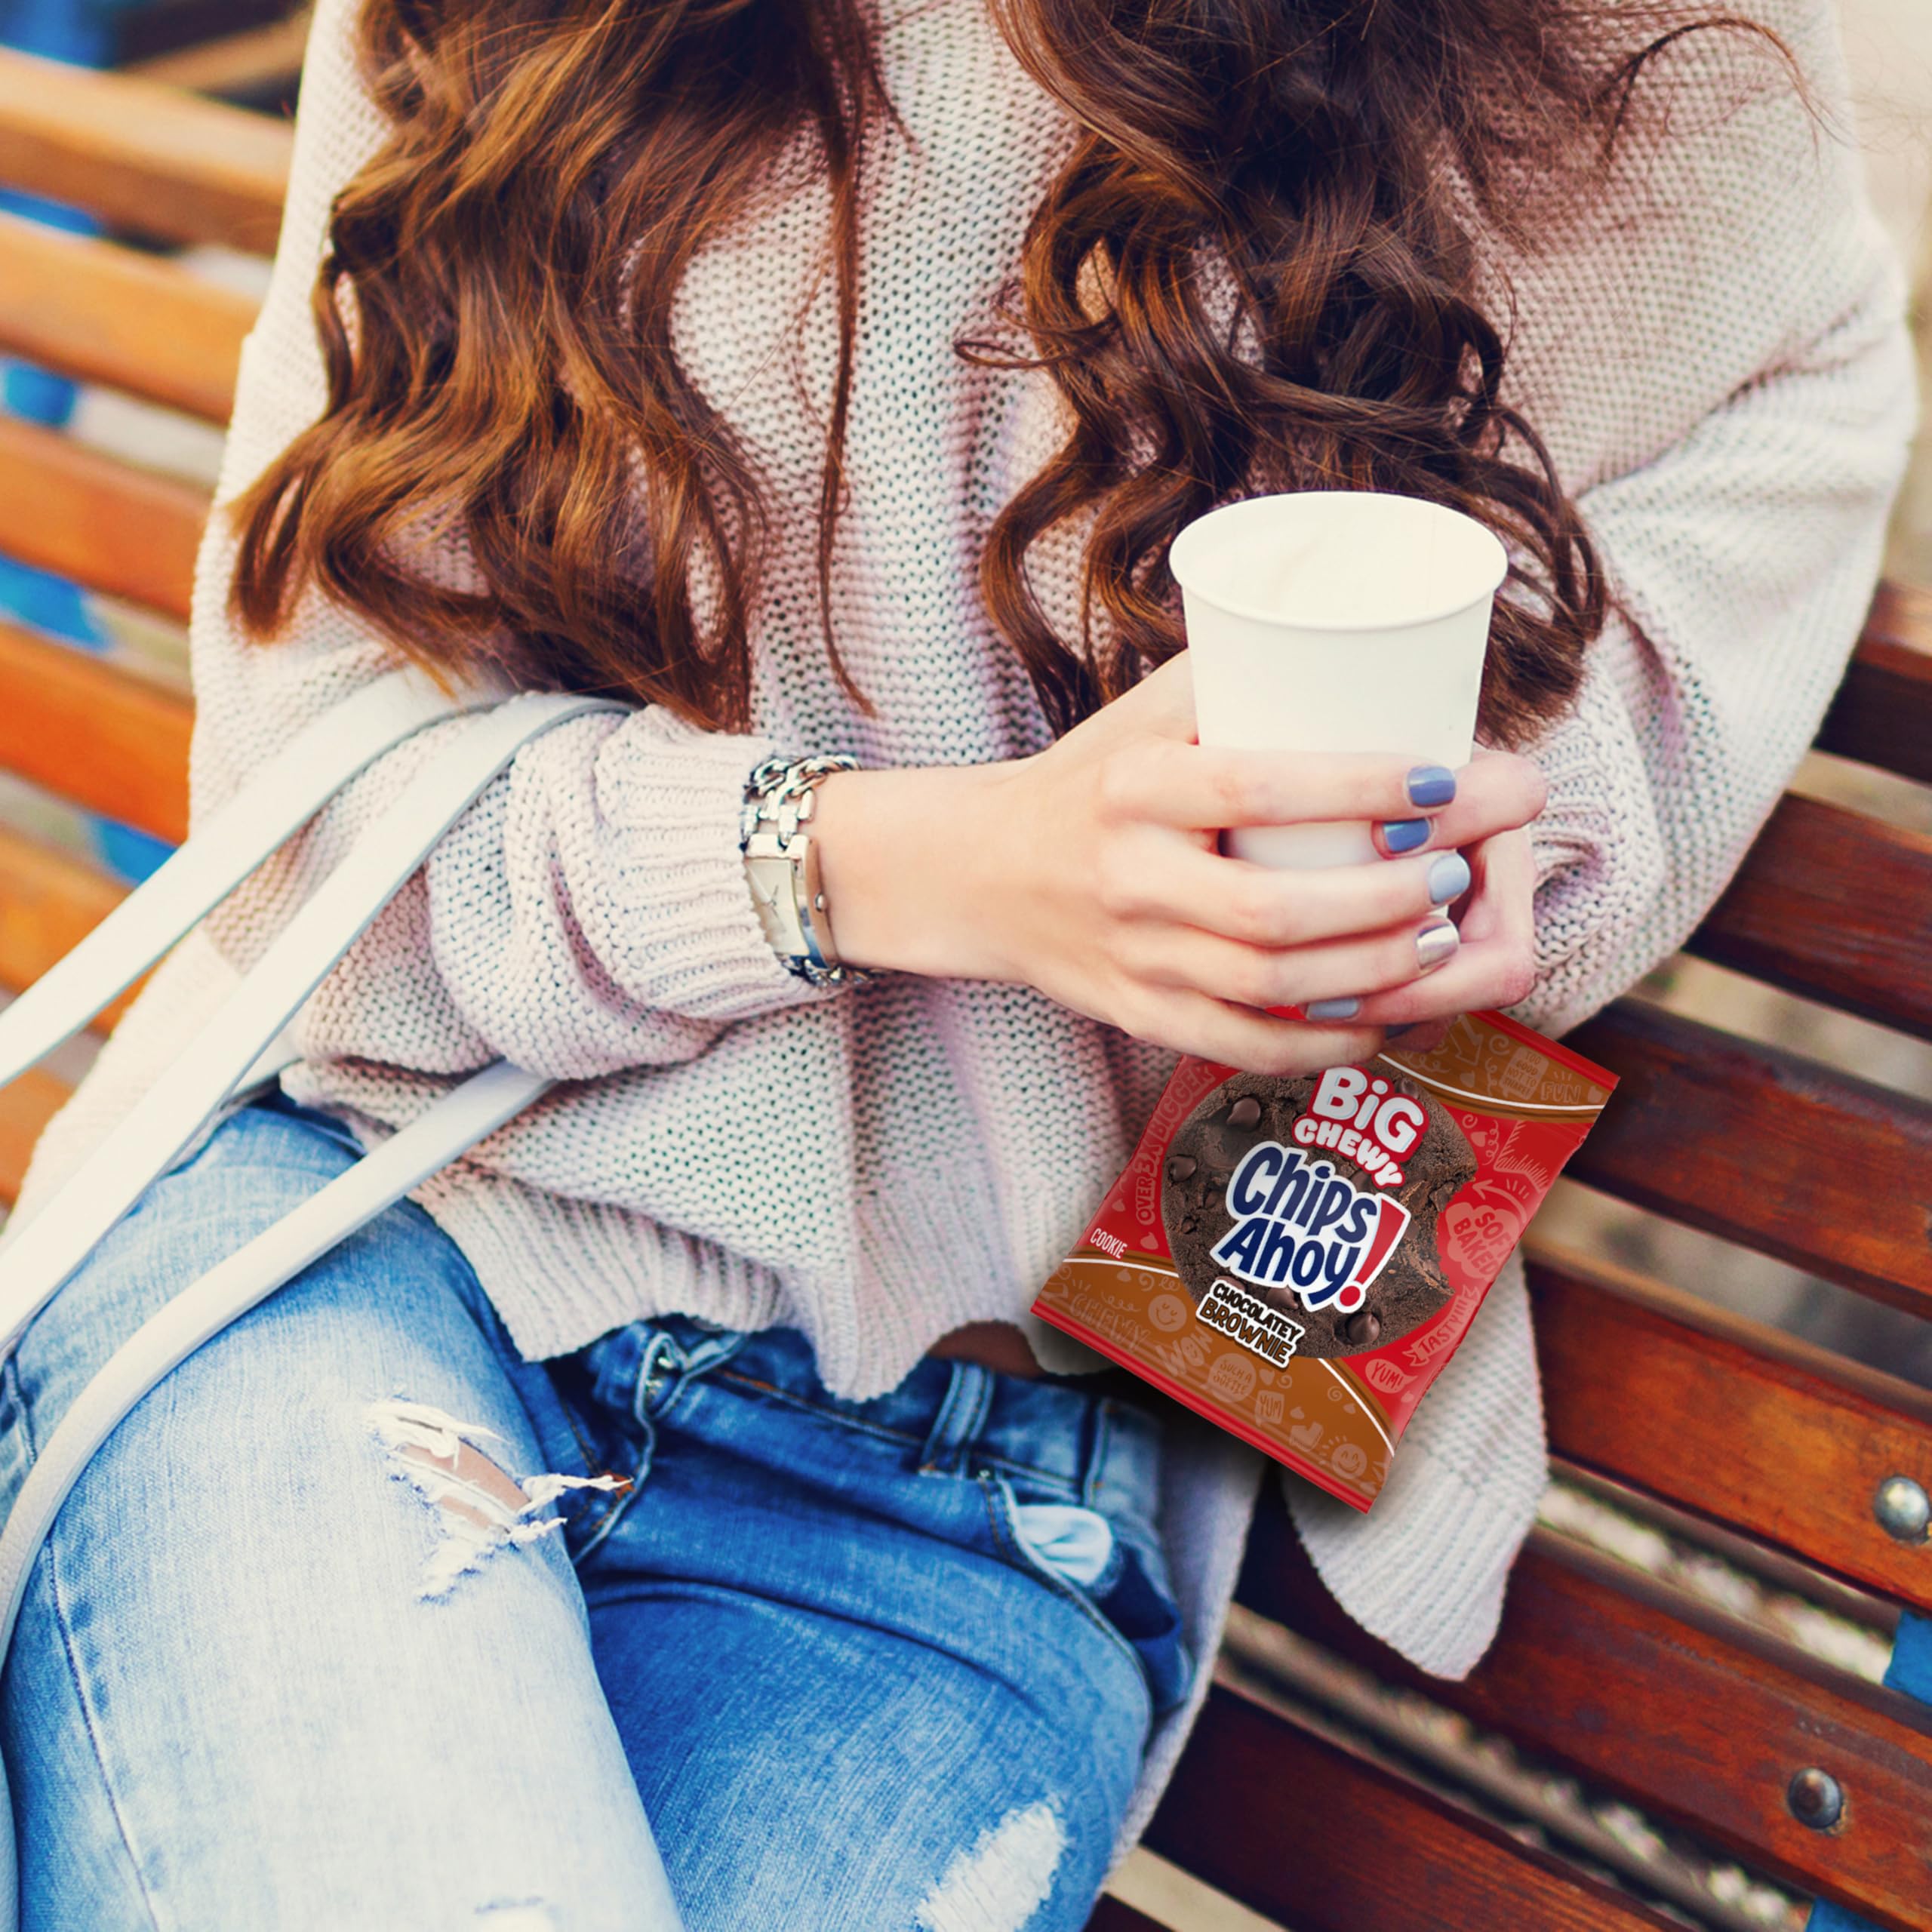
(302, 776)
(442, 1133)
(36, 1260)
(381, 1178)
(245, 1043)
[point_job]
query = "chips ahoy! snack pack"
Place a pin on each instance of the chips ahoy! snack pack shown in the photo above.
(1297, 1259)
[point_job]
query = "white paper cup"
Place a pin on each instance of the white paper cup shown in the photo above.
(1336, 621)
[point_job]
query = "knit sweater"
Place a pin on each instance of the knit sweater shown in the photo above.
(1712, 349)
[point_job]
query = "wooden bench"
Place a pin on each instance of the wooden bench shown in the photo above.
(1641, 1689)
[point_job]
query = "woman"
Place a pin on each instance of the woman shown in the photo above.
(667, 1520)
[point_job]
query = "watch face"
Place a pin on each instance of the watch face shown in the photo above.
(770, 880)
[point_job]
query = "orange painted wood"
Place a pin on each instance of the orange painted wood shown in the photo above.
(144, 156)
(50, 901)
(1882, 715)
(1766, 1147)
(95, 734)
(1649, 1692)
(1834, 906)
(71, 510)
(26, 1107)
(1715, 1413)
(1307, 1833)
(106, 314)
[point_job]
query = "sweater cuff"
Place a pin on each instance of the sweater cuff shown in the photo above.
(1597, 847)
(686, 938)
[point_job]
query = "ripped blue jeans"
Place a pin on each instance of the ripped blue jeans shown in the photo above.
(361, 1621)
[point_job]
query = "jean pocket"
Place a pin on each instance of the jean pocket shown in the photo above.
(1122, 1579)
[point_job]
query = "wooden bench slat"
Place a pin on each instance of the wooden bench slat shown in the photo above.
(105, 314)
(245, 63)
(147, 158)
(1306, 1832)
(1712, 1413)
(1111, 1915)
(1836, 906)
(71, 510)
(90, 732)
(1882, 715)
(1827, 1172)
(50, 901)
(26, 1107)
(1650, 1692)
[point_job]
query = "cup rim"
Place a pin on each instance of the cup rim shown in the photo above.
(1177, 563)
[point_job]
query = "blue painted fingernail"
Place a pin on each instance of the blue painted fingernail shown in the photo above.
(1396, 1033)
(1431, 785)
(1405, 835)
(1448, 877)
(1332, 1009)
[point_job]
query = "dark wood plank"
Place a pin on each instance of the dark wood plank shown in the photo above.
(1309, 1834)
(1649, 1692)
(95, 734)
(1788, 1157)
(149, 159)
(26, 1107)
(1834, 906)
(1882, 715)
(105, 314)
(71, 510)
(254, 62)
(1713, 1413)
(156, 28)
(1110, 1916)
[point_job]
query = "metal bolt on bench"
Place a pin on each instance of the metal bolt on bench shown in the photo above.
(1903, 1509)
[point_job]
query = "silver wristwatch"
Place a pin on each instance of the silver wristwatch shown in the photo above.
(781, 862)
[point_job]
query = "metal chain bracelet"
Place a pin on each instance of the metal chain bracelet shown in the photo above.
(781, 863)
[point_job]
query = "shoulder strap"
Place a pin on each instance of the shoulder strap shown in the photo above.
(315, 765)
(244, 1042)
(36, 1260)
(456, 1122)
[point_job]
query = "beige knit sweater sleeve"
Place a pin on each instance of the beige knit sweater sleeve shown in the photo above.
(1735, 410)
(602, 873)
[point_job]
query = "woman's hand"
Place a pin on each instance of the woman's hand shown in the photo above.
(1495, 965)
(1091, 872)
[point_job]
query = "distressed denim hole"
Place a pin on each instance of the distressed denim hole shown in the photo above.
(480, 1507)
(1005, 1878)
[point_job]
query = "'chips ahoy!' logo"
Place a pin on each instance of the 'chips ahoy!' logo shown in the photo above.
(1300, 1225)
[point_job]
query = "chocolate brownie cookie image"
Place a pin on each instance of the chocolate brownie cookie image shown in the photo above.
(1305, 1231)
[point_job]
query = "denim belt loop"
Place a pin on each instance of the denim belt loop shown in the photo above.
(666, 1361)
(661, 1360)
(962, 1415)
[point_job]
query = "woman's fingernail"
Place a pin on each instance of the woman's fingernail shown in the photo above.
(1405, 835)
(1332, 1009)
(1431, 785)
(1435, 943)
(1396, 1033)
(1448, 878)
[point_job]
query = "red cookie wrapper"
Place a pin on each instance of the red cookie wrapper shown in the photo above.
(1297, 1260)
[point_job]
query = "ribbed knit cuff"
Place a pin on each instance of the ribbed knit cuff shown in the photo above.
(1597, 849)
(687, 934)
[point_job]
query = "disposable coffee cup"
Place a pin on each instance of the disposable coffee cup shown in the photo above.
(1336, 621)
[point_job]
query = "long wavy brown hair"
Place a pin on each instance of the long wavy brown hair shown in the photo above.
(1259, 267)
